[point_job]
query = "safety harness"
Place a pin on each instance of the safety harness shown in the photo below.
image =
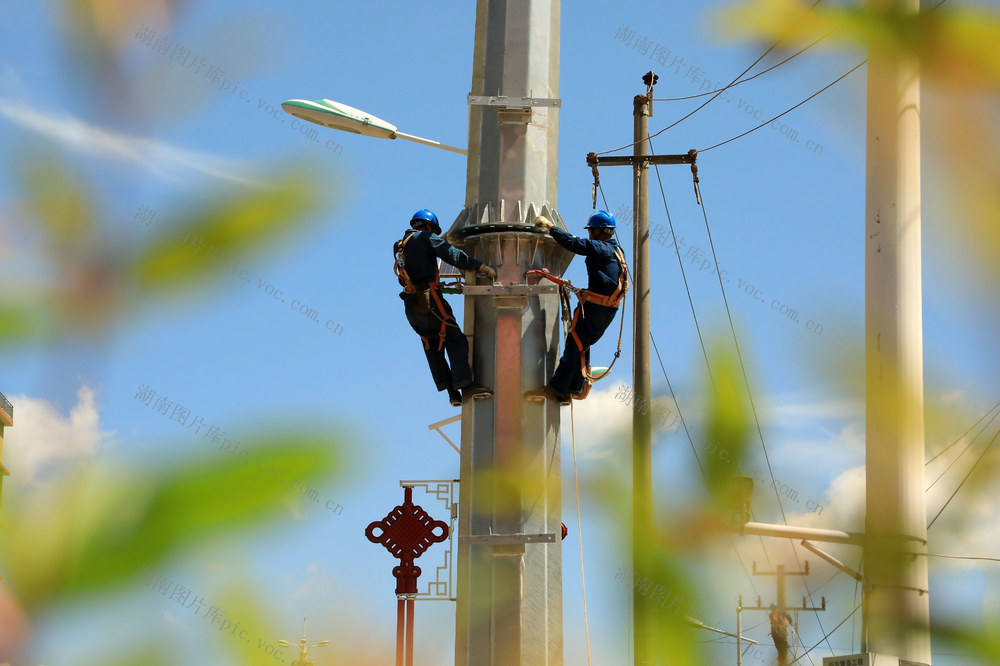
(424, 296)
(587, 296)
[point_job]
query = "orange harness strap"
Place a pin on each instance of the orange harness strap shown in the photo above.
(579, 343)
(444, 317)
(585, 296)
(616, 297)
(399, 268)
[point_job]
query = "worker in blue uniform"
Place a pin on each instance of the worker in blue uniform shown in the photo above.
(416, 267)
(607, 282)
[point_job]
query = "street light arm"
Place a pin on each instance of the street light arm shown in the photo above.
(812, 533)
(339, 116)
(429, 142)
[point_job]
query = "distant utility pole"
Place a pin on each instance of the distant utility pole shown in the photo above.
(782, 604)
(644, 629)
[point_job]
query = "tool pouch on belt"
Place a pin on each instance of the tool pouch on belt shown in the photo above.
(422, 301)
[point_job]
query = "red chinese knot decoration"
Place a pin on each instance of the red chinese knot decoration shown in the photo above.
(406, 532)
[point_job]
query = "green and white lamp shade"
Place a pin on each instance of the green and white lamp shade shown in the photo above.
(340, 116)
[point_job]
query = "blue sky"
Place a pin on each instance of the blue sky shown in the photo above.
(786, 216)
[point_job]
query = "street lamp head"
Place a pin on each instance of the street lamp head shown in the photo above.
(340, 116)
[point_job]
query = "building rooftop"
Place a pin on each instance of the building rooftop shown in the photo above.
(7, 409)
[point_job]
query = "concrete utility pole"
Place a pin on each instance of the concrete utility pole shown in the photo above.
(509, 609)
(644, 630)
(896, 593)
(782, 603)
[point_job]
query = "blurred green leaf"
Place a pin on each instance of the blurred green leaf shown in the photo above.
(729, 425)
(24, 322)
(101, 530)
(242, 222)
(984, 644)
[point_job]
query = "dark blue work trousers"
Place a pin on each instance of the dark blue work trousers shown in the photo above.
(590, 326)
(428, 327)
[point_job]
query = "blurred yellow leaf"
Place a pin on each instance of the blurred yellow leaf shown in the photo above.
(58, 200)
(957, 47)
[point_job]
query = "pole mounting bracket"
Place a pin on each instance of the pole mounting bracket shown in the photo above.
(506, 539)
(512, 102)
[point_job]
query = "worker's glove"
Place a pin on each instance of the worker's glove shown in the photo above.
(544, 222)
(488, 271)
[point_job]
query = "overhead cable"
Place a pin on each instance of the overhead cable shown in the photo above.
(974, 465)
(761, 73)
(711, 99)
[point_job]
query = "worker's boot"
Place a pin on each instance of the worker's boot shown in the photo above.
(476, 391)
(546, 392)
(454, 397)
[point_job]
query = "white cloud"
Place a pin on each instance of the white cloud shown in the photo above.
(793, 411)
(42, 437)
(955, 397)
(159, 159)
(599, 420)
(843, 504)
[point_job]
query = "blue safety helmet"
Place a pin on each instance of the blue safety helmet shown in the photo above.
(422, 217)
(601, 219)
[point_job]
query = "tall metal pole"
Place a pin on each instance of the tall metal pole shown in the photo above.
(896, 515)
(642, 476)
(509, 610)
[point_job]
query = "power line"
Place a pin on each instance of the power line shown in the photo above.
(937, 455)
(677, 407)
(680, 263)
(753, 407)
(827, 636)
(704, 352)
(845, 75)
(761, 73)
(968, 446)
(766, 122)
(974, 465)
(960, 557)
(710, 100)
